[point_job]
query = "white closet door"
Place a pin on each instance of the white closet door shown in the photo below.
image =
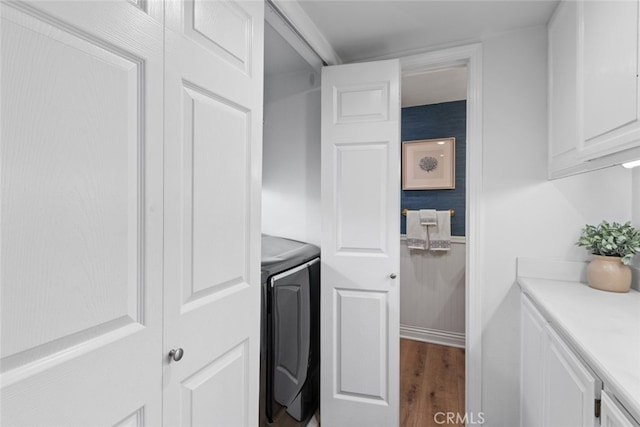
(81, 210)
(360, 244)
(213, 148)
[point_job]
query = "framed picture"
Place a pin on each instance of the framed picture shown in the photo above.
(429, 164)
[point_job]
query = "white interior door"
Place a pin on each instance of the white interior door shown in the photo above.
(360, 244)
(213, 166)
(81, 255)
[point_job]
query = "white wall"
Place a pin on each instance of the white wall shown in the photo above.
(432, 294)
(524, 214)
(291, 151)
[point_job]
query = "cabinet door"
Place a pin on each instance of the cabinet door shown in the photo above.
(612, 414)
(563, 118)
(609, 73)
(533, 340)
(570, 388)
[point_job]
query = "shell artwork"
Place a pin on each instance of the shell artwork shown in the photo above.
(428, 163)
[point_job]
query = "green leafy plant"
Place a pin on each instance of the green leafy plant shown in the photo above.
(621, 240)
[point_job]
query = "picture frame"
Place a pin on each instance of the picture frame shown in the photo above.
(429, 164)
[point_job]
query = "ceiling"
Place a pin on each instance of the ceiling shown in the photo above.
(365, 29)
(434, 87)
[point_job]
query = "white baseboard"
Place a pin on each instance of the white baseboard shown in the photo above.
(452, 339)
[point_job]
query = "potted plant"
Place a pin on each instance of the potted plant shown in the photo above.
(612, 245)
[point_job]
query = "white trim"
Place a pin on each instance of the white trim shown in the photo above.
(471, 56)
(434, 336)
(282, 27)
(454, 239)
(304, 26)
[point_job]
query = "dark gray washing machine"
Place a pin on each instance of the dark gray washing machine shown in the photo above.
(290, 335)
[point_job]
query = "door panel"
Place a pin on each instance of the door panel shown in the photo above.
(570, 387)
(361, 102)
(357, 233)
(362, 344)
(81, 214)
(291, 313)
(216, 395)
(610, 65)
(229, 37)
(213, 128)
(360, 244)
(533, 342)
(210, 231)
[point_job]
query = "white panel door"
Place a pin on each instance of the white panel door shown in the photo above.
(81, 209)
(360, 244)
(213, 138)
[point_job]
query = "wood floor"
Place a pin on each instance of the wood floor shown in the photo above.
(431, 382)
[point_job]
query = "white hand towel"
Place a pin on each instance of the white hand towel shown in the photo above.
(428, 217)
(416, 232)
(440, 234)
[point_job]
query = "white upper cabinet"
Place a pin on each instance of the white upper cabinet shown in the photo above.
(609, 71)
(593, 85)
(563, 60)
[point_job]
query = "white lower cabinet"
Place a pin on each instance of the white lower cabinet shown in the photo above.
(532, 350)
(557, 388)
(570, 389)
(612, 414)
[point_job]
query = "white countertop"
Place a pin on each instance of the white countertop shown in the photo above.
(603, 327)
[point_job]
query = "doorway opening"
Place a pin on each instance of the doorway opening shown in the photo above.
(432, 294)
(289, 357)
(471, 57)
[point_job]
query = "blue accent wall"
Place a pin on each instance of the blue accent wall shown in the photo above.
(445, 120)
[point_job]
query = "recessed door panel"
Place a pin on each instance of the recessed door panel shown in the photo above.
(361, 103)
(214, 193)
(362, 345)
(222, 27)
(134, 420)
(570, 388)
(216, 394)
(361, 208)
(71, 190)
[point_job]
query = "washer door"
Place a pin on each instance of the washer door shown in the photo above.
(291, 307)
